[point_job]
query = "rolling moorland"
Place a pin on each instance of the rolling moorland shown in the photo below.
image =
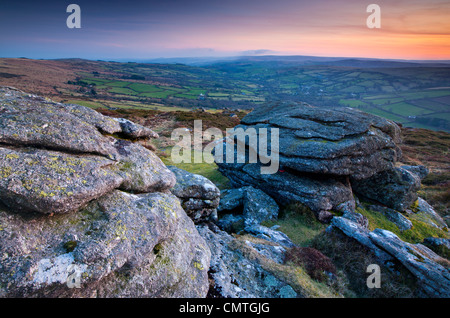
(413, 94)
(166, 96)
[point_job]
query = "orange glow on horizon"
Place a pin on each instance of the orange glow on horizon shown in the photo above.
(414, 30)
(375, 45)
(410, 29)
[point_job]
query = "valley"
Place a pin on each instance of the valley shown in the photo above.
(412, 94)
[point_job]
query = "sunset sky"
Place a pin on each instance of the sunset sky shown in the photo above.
(410, 29)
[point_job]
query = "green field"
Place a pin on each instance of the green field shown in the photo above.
(352, 103)
(413, 96)
(85, 103)
(405, 109)
(384, 114)
(208, 170)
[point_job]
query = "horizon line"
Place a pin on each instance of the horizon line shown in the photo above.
(122, 59)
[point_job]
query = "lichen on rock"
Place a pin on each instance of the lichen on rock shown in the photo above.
(85, 214)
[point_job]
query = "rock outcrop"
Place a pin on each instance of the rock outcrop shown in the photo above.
(54, 160)
(121, 245)
(85, 214)
(439, 245)
(237, 276)
(430, 216)
(199, 196)
(319, 194)
(326, 156)
(86, 211)
(337, 142)
(396, 188)
(322, 152)
(250, 207)
(135, 131)
(431, 270)
(250, 266)
(420, 171)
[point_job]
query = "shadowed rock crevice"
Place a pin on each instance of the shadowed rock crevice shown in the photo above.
(25, 147)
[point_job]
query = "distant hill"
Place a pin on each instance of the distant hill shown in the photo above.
(296, 60)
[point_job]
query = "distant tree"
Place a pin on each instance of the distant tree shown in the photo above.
(439, 123)
(134, 77)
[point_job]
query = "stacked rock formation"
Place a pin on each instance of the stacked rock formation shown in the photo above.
(86, 214)
(328, 155)
(325, 155)
(199, 196)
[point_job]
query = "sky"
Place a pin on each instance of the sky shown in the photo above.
(112, 29)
